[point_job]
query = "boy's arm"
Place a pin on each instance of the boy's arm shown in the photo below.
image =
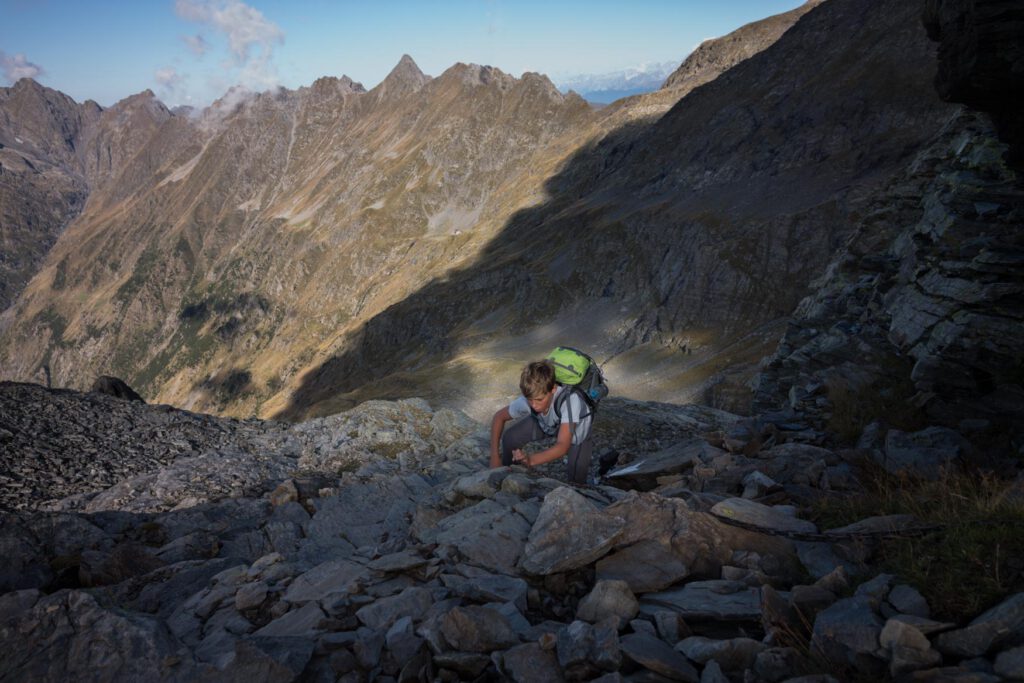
(497, 426)
(562, 444)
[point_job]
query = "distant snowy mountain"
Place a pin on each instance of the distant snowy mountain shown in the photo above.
(607, 87)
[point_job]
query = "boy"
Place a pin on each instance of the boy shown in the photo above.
(545, 409)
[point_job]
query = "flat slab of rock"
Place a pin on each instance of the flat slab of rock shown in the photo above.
(646, 566)
(642, 473)
(398, 562)
(335, 576)
(1004, 623)
(705, 600)
(303, 622)
(488, 588)
(488, 534)
(733, 654)
(569, 533)
(877, 524)
(751, 512)
(528, 663)
(412, 602)
(652, 653)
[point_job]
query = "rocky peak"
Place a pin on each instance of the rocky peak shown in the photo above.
(477, 75)
(326, 85)
(144, 104)
(39, 120)
(543, 85)
(405, 78)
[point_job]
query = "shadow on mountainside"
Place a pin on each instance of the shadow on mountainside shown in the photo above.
(716, 216)
(514, 270)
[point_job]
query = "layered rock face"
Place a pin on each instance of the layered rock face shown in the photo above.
(914, 321)
(981, 59)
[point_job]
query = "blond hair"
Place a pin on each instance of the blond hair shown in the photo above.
(537, 379)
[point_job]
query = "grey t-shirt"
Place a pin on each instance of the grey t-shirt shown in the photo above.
(574, 410)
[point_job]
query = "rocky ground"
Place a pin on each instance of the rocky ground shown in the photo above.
(376, 545)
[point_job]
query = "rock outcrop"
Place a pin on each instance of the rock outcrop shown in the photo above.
(375, 544)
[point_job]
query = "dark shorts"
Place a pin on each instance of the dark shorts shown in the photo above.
(527, 430)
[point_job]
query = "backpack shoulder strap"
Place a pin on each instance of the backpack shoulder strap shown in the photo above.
(563, 398)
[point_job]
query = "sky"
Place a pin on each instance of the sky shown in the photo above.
(192, 51)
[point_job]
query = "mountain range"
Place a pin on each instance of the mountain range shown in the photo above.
(291, 253)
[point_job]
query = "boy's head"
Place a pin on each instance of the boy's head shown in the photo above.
(537, 382)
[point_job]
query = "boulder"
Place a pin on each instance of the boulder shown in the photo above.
(908, 648)
(251, 596)
(1010, 664)
(411, 602)
(584, 650)
(907, 600)
(482, 484)
(488, 535)
(1004, 623)
(329, 578)
(113, 386)
(712, 673)
(477, 629)
(764, 516)
(702, 542)
(734, 654)
(98, 568)
(757, 484)
(402, 641)
(924, 453)
(645, 566)
(708, 600)
(528, 663)
(847, 633)
(488, 588)
(305, 622)
(398, 562)
(609, 598)
(569, 533)
(78, 635)
(467, 664)
(651, 653)
(642, 473)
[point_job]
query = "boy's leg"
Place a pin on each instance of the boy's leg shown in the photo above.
(579, 461)
(518, 435)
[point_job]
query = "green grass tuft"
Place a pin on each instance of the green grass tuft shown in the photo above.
(972, 563)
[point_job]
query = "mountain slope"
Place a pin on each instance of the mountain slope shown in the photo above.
(53, 154)
(690, 234)
(254, 235)
(294, 252)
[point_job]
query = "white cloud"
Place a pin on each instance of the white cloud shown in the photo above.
(171, 84)
(17, 66)
(245, 27)
(251, 37)
(167, 77)
(197, 44)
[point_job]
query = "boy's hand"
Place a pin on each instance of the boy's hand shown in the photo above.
(519, 456)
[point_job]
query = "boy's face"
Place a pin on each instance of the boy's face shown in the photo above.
(542, 403)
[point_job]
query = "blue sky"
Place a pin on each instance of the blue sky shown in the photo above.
(192, 51)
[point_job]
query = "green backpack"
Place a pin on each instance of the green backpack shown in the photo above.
(577, 370)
